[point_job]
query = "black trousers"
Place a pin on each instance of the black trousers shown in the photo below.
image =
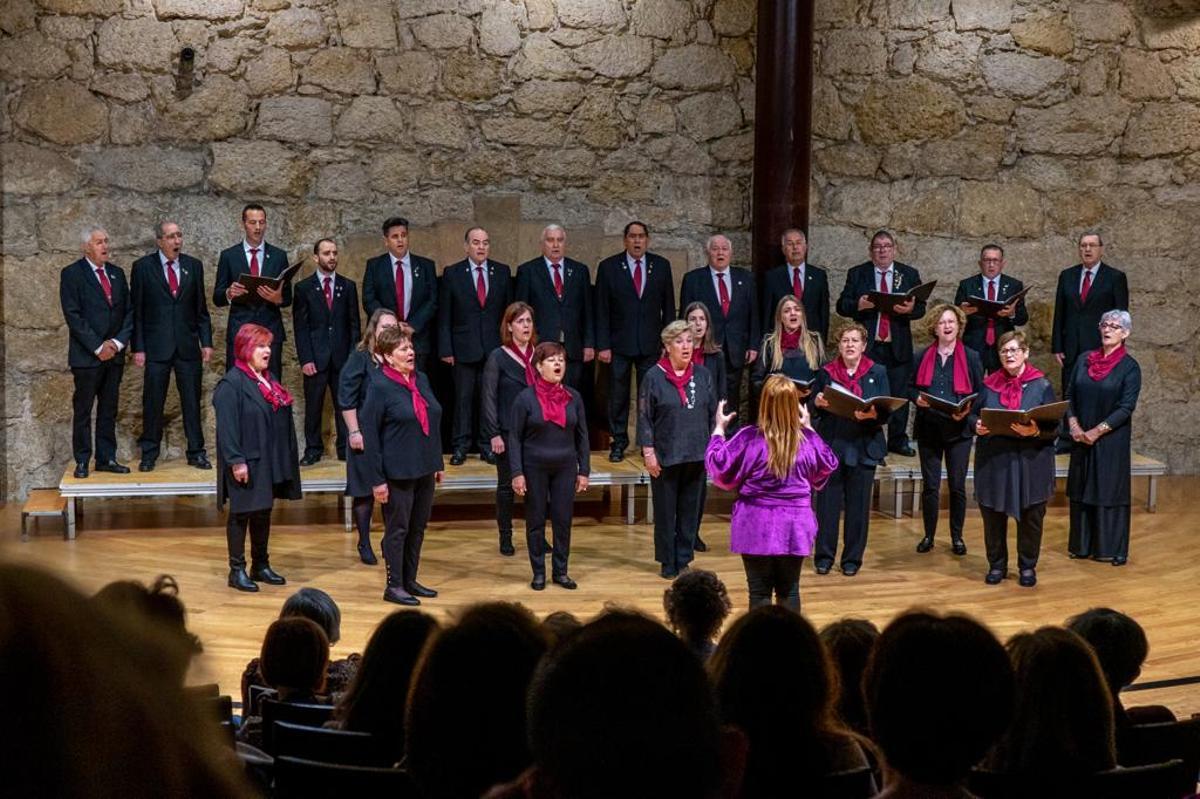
(956, 454)
(315, 387)
(574, 375)
(733, 392)
(849, 488)
(96, 387)
(259, 524)
(676, 493)
(777, 575)
(1029, 537)
(1099, 531)
(467, 391)
(622, 368)
(188, 376)
(405, 514)
(898, 376)
(551, 492)
(505, 497)
(276, 365)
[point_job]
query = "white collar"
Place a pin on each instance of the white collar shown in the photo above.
(92, 265)
(405, 260)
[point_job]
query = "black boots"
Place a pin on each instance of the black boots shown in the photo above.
(265, 574)
(237, 575)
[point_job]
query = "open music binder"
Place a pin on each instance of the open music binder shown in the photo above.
(252, 282)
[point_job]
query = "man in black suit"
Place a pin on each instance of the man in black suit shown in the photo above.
(327, 327)
(95, 304)
(472, 296)
(732, 302)
(635, 300)
(253, 256)
(889, 335)
(413, 298)
(991, 283)
(797, 278)
(559, 289)
(1086, 291)
(171, 332)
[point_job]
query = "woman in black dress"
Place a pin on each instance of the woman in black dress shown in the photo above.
(548, 454)
(507, 372)
(360, 367)
(1014, 473)
(706, 353)
(402, 450)
(1103, 393)
(860, 446)
(952, 372)
(257, 459)
(791, 349)
(677, 403)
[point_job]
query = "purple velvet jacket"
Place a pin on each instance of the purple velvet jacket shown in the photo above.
(770, 516)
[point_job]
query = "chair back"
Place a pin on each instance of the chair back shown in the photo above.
(857, 783)
(1155, 781)
(256, 695)
(330, 746)
(297, 778)
(217, 707)
(1156, 743)
(293, 712)
(202, 691)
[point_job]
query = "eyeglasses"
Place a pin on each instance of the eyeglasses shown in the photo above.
(1110, 326)
(1011, 351)
(883, 246)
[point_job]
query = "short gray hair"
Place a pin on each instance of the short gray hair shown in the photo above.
(160, 227)
(709, 242)
(553, 227)
(1122, 318)
(85, 235)
(791, 230)
(674, 330)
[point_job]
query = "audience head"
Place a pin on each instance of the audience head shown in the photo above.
(559, 626)
(696, 605)
(80, 679)
(850, 643)
(1063, 722)
(465, 728)
(295, 655)
(1119, 643)
(622, 708)
(315, 605)
(929, 735)
(779, 421)
(158, 605)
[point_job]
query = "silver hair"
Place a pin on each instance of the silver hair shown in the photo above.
(792, 230)
(553, 227)
(714, 237)
(160, 227)
(674, 330)
(1122, 318)
(85, 235)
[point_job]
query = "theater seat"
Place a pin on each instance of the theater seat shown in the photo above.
(1155, 781)
(296, 778)
(330, 746)
(294, 713)
(1155, 743)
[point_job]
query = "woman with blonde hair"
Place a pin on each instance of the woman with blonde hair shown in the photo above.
(774, 466)
(791, 349)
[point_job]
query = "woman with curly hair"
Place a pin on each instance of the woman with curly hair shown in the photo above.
(696, 605)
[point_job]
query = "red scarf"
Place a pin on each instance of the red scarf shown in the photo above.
(420, 406)
(838, 371)
(697, 356)
(962, 377)
(525, 358)
(272, 391)
(789, 341)
(554, 398)
(679, 381)
(1099, 364)
(1009, 387)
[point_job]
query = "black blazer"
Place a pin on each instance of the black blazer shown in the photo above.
(466, 331)
(856, 443)
(250, 431)
(937, 427)
(1076, 326)
(861, 280)
(233, 264)
(325, 337)
(569, 320)
(394, 447)
(379, 291)
(738, 332)
(625, 323)
(975, 336)
(777, 284)
(91, 321)
(166, 327)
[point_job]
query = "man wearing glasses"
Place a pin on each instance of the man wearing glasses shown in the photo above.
(992, 284)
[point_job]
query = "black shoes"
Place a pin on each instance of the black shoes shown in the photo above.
(538, 583)
(487, 456)
(398, 595)
(81, 470)
(239, 580)
(958, 547)
(1119, 561)
(700, 545)
(566, 582)
(265, 574)
(310, 459)
(616, 454)
(667, 573)
(849, 569)
(367, 555)
(147, 465)
(416, 589)
(458, 458)
(823, 568)
(906, 449)
(506, 546)
(199, 462)
(1028, 578)
(994, 577)
(112, 466)
(925, 544)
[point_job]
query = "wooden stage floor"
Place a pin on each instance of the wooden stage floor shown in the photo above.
(613, 563)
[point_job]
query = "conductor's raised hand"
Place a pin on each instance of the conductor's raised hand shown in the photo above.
(805, 417)
(723, 419)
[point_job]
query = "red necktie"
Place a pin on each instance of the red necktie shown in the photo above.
(254, 261)
(172, 281)
(558, 284)
(990, 338)
(797, 284)
(1087, 286)
(400, 290)
(637, 277)
(104, 284)
(328, 293)
(885, 320)
(480, 287)
(723, 294)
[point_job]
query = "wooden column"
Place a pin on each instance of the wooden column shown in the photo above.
(782, 125)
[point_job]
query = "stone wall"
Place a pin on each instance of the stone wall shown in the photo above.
(959, 122)
(336, 115)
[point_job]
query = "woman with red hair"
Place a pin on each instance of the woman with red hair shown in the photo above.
(257, 460)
